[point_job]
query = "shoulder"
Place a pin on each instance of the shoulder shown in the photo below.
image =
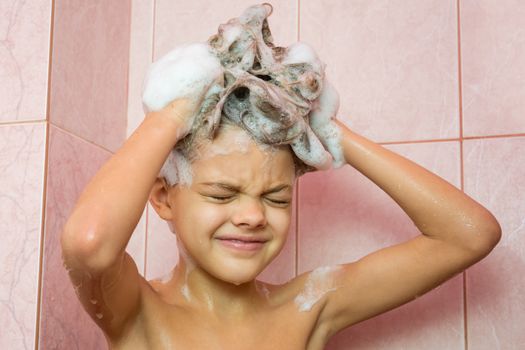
(303, 299)
(306, 291)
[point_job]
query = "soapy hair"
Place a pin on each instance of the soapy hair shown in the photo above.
(177, 168)
(278, 95)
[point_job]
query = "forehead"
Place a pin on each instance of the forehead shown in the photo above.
(234, 157)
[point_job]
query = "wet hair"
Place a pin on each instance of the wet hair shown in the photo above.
(278, 95)
(176, 168)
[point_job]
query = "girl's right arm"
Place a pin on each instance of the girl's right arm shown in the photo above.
(95, 236)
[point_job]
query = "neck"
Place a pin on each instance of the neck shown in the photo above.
(198, 289)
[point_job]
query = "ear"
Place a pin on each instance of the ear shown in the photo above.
(159, 199)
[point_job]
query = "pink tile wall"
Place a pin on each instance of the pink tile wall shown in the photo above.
(175, 21)
(63, 322)
(495, 176)
(140, 57)
(493, 52)
(90, 70)
(88, 117)
(395, 63)
(24, 59)
(21, 177)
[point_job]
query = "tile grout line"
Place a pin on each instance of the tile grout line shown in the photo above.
(461, 139)
(81, 138)
(492, 136)
(146, 230)
(51, 124)
(464, 138)
(462, 170)
(40, 281)
(42, 238)
(18, 122)
(417, 141)
(296, 260)
(298, 14)
(130, 17)
(153, 30)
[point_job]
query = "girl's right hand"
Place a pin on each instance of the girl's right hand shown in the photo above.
(180, 81)
(324, 125)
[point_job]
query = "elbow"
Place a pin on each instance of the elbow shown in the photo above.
(493, 235)
(488, 235)
(84, 249)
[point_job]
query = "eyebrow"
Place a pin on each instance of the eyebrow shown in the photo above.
(234, 188)
(220, 185)
(278, 188)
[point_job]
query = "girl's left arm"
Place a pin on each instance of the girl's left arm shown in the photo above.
(456, 233)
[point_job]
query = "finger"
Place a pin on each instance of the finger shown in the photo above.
(327, 106)
(310, 150)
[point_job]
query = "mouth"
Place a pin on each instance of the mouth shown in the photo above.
(248, 244)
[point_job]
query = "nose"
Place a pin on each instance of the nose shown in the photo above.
(249, 213)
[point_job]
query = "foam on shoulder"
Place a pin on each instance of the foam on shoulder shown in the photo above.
(320, 282)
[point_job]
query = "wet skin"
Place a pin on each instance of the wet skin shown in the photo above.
(231, 222)
(245, 195)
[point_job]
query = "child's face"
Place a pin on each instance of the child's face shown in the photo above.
(245, 195)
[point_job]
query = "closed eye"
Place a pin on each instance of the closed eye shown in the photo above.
(279, 202)
(220, 198)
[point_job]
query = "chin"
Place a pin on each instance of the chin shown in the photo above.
(238, 277)
(239, 282)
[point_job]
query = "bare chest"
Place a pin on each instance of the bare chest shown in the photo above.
(166, 327)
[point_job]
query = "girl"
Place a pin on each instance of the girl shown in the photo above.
(229, 203)
(231, 220)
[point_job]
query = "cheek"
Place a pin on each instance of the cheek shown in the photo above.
(210, 216)
(213, 215)
(192, 216)
(280, 220)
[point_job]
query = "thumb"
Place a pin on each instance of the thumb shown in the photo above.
(327, 105)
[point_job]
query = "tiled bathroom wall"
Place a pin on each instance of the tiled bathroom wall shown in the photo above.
(438, 81)
(87, 122)
(24, 61)
(63, 111)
